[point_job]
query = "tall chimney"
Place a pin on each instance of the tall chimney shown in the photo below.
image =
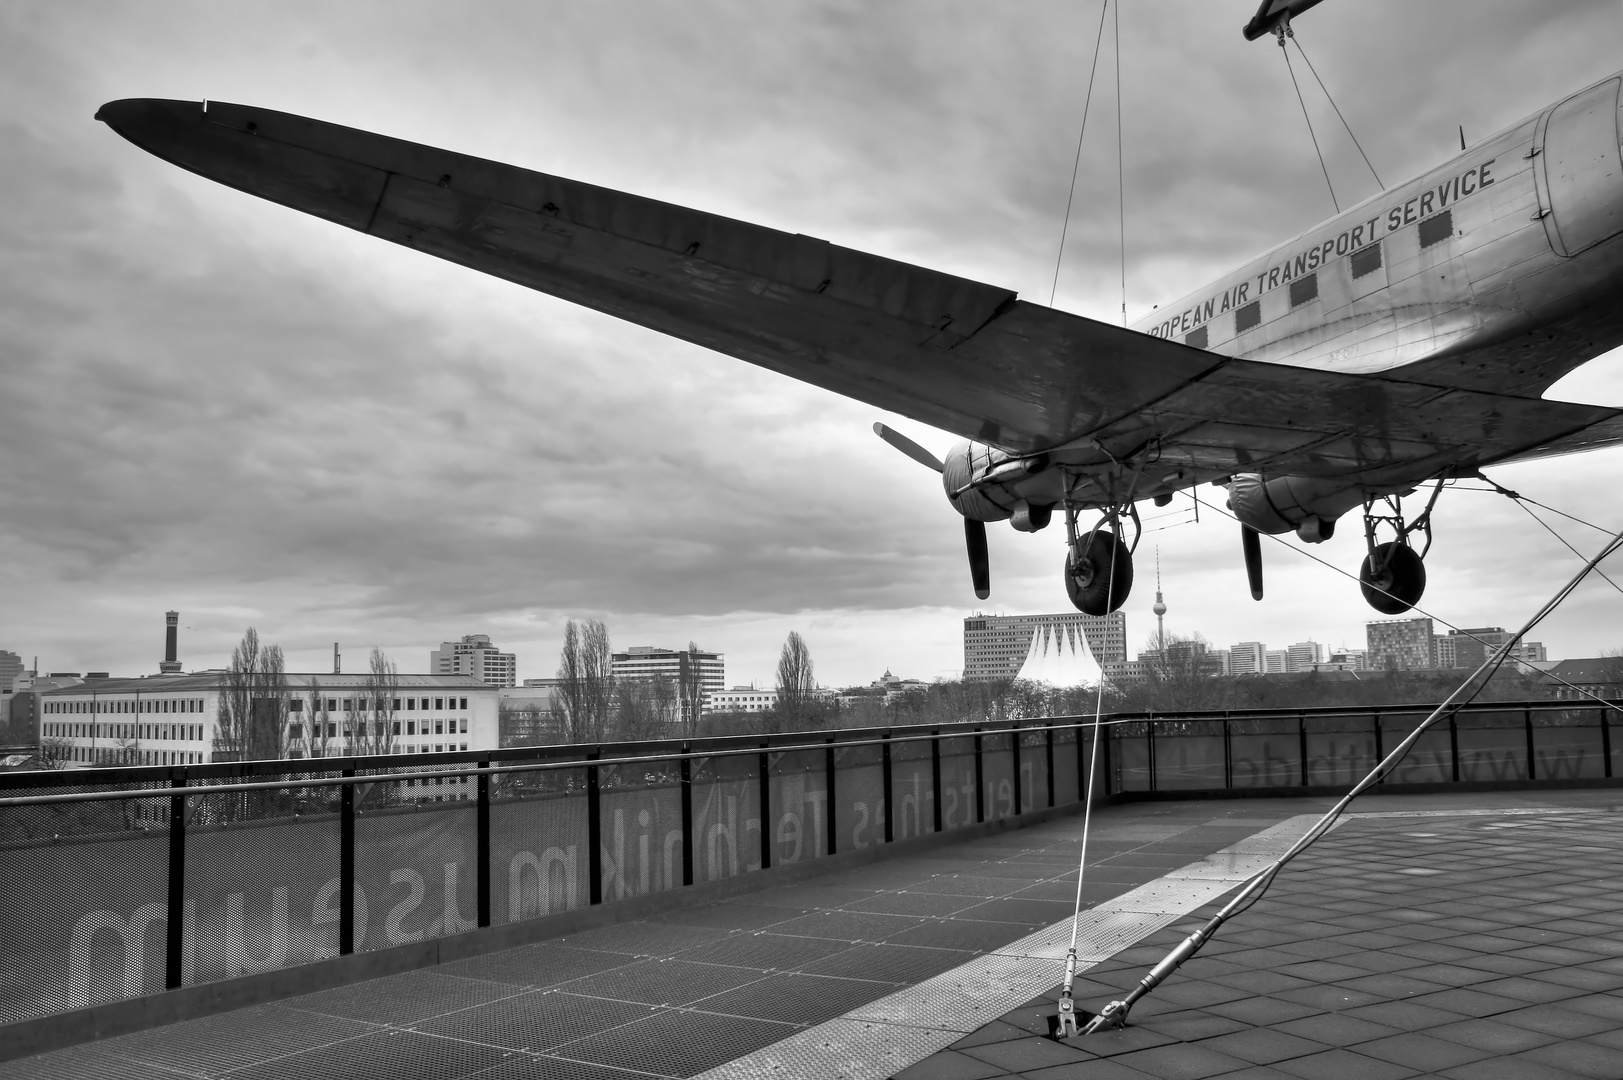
(337, 660)
(170, 665)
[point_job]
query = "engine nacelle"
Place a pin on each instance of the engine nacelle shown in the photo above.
(1305, 505)
(962, 464)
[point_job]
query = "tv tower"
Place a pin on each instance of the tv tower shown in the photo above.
(1160, 610)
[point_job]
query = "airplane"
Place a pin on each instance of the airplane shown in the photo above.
(1401, 343)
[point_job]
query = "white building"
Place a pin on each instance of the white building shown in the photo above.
(648, 662)
(474, 655)
(743, 699)
(1276, 661)
(1247, 658)
(996, 646)
(174, 719)
(1304, 656)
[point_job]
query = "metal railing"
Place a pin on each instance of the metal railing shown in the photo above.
(128, 881)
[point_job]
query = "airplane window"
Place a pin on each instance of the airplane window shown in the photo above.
(1304, 289)
(1248, 316)
(1196, 338)
(1366, 260)
(1437, 228)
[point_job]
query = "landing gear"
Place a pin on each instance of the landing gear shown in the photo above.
(1393, 575)
(1392, 578)
(1099, 564)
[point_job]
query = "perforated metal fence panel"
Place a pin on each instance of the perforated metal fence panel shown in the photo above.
(538, 849)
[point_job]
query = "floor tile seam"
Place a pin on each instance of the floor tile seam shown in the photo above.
(593, 1064)
(145, 1063)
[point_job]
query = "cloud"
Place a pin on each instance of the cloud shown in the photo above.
(217, 405)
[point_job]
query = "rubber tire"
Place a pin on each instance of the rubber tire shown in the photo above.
(1404, 579)
(1111, 578)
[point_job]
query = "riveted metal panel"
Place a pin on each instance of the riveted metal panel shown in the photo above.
(888, 962)
(662, 982)
(765, 951)
(795, 998)
(535, 965)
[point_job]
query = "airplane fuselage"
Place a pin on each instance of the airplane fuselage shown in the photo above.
(1500, 269)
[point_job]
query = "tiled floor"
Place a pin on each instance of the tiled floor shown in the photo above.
(694, 988)
(1464, 947)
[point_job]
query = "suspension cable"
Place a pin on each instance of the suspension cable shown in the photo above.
(1077, 164)
(1115, 1013)
(1121, 186)
(1281, 32)
(1292, 35)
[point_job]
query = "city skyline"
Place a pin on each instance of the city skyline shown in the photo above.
(274, 423)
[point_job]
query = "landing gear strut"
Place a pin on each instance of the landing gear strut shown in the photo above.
(1099, 565)
(1393, 577)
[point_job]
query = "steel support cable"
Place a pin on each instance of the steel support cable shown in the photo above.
(1076, 165)
(1121, 186)
(1522, 501)
(1067, 1023)
(1115, 1013)
(1414, 607)
(1332, 101)
(1286, 54)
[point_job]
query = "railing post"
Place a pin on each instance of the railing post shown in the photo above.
(980, 787)
(1605, 743)
(1049, 751)
(935, 776)
(175, 942)
(1380, 752)
(1014, 754)
(766, 807)
(1301, 733)
(687, 814)
(1104, 755)
(482, 856)
(1149, 754)
(594, 834)
(1081, 766)
(1454, 745)
(346, 866)
(1527, 719)
(885, 782)
(1228, 757)
(833, 814)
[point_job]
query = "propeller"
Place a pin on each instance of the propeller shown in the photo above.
(1251, 544)
(980, 567)
(908, 447)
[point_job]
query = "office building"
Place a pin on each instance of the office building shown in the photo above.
(11, 667)
(1247, 658)
(1304, 656)
(1400, 644)
(996, 646)
(743, 699)
(1276, 661)
(474, 655)
(649, 661)
(174, 719)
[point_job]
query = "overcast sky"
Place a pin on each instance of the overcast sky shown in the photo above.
(214, 404)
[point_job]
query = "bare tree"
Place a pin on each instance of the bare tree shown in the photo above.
(253, 703)
(585, 682)
(55, 753)
(372, 718)
(690, 690)
(644, 708)
(796, 684)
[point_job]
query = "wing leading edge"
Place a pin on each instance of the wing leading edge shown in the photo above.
(948, 352)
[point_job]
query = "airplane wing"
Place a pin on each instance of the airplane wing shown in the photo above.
(945, 351)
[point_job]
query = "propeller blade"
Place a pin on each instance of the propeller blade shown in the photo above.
(1251, 544)
(980, 566)
(908, 447)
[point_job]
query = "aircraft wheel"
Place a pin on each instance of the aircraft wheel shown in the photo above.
(1398, 585)
(1100, 581)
